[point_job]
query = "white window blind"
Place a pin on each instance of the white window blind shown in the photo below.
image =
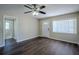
(64, 26)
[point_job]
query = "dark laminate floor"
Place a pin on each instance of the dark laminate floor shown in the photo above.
(40, 46)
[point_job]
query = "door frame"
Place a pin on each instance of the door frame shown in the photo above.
(9, 17)
(48, 23)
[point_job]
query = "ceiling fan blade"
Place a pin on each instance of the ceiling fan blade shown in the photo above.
(41, 7)
(27, 6)
(34, 5)
(42, 12)
(27, 12)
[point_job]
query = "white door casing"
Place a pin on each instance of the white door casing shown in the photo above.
(10, 31)
(45, 29)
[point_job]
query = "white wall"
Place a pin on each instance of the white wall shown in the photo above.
(1, 40)
(74, 38)
(26, 27)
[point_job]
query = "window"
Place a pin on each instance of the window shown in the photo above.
(64, 26)
(7, 25)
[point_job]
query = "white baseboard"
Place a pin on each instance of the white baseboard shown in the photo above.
(19, 40)
(63, 40)
(26, 39)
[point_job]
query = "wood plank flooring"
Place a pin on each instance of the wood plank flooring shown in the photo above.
(40, 46)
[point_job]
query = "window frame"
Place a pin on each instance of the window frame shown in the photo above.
(75, 26)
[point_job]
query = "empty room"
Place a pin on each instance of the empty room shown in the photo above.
(39, 29)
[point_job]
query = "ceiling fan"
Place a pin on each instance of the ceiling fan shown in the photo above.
(35, 9)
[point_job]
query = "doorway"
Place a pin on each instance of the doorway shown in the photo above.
(8, 30)
(45, 29)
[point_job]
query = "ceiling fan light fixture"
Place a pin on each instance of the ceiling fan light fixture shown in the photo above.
(38, 9)
(35, 9)
(35, 13)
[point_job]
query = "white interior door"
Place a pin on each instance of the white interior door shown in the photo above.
(45, 29)
(9, 28)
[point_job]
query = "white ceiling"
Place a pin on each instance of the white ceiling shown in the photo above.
(51, 9)
(59, 9)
